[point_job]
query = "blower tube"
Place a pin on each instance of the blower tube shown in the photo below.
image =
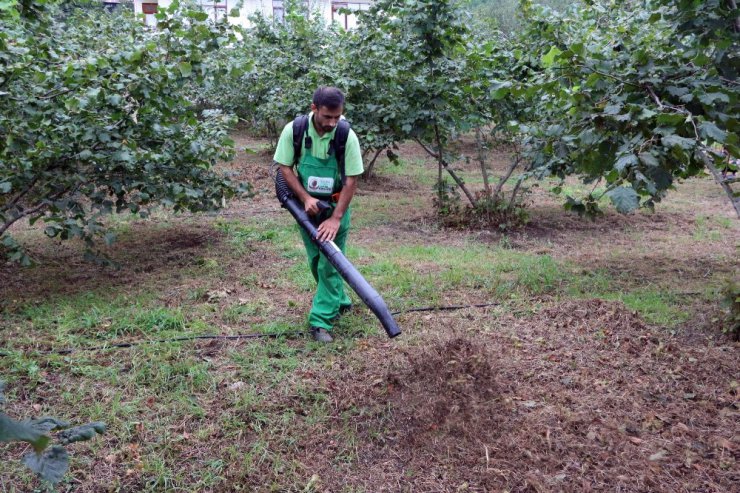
(335, 256)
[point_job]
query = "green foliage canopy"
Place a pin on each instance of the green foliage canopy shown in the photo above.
(94, 118)
(635, 96)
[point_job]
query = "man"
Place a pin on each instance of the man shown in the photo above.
(317, 177)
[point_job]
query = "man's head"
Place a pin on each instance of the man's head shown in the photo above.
(327, 107)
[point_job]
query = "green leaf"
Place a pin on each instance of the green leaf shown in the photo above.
(646, 114)
(710, 98)
(625, 199)
(47, 424)
(5, 187)
(709, 130)
(186, 69)
(549, 59)
(50, 465)
(677, 91)
(671, 119)
(677, 141)
(14, 431)
(500, 90)
(198, 15)
(625, 162)
(81, 433)
(649, 159)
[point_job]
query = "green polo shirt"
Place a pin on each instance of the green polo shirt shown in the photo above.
(320, 148)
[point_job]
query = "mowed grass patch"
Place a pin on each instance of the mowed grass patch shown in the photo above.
(662, 308)
(278, 233)
(498, 271)
(94, 317)
(411, 276)
(245, 406)
(422, 170)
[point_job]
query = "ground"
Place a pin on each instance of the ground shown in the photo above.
(598, 364)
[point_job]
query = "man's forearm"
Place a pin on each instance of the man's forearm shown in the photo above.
(348, 191)
(292, 180)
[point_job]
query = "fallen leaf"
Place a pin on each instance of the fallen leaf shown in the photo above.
(659, 455)
(635, 440)
(682, 427)
(216, 295)
(725, 444)
(237, 386)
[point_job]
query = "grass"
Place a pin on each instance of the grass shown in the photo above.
(240, 411)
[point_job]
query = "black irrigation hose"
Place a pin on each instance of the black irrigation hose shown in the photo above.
(123, 345)
(443, 308)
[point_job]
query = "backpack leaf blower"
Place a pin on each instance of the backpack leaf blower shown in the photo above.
(335, 256)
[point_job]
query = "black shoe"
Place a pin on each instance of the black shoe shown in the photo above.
(345, 308)
(320, 334)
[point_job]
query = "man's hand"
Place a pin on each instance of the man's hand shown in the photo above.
(327, 230)
(311, 205)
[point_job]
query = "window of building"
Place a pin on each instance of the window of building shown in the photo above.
(215, 9)
(149, 9)
(111, 5)
(347, 20)
(278, 11)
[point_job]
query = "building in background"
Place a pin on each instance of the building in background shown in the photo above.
(219, 9)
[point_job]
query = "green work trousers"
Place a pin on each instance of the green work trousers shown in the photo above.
(330, 295)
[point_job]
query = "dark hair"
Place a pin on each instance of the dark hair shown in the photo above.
(329, 97)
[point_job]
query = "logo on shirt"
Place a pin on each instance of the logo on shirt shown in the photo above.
(320, 185)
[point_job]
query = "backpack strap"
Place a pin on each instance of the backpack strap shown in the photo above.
(300, 127)
(338, 146)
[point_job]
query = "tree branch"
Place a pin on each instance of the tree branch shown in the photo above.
(429, 151)
(481, 160)
(21, 194)
(627, 83)
(369, 169)
(735, 201)
(444, 164)
(506, 177)
(23, 214)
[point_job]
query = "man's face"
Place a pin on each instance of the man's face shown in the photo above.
(325, 119)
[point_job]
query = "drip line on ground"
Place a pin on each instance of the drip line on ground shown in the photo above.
(124, 345)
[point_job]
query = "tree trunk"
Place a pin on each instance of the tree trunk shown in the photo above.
(369, 170)
(482, 160)
(443, 164)
(725, 184)
(506, 177)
